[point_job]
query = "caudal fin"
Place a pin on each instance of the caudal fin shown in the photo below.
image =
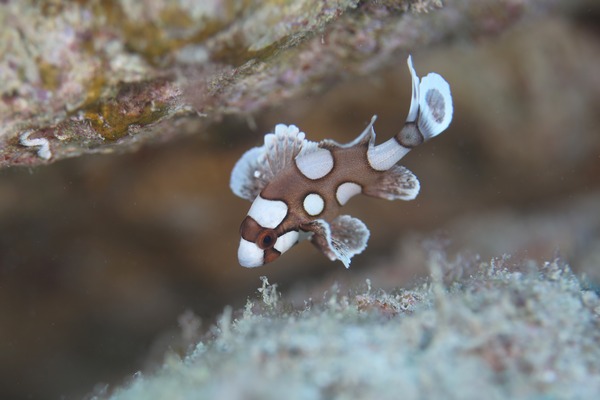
(429, 115)
(435, 105)
(430, 107)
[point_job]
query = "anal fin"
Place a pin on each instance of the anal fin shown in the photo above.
(342, 239)
(395, 183)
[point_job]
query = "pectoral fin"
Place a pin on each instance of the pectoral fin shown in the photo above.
(341, 240)
(397, 183)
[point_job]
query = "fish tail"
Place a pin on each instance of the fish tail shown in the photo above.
(430, 111)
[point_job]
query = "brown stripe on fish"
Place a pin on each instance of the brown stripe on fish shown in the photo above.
(249, 229)
(271, 255)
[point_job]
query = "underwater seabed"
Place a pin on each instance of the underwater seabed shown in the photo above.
(509, 330)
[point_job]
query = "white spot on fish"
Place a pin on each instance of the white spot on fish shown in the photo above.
(315, 165)
(268, 213)
(314, 204)
(346, 191)
(285, 241)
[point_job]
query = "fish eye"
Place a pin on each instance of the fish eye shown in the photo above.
(266, 239)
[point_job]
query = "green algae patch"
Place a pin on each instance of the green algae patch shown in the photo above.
(162, 29)
(49, 74)
(131, 107)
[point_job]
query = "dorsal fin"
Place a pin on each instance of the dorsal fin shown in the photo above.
(366, 137)
(257, 167)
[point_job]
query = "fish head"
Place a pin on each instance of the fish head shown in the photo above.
(264, 236)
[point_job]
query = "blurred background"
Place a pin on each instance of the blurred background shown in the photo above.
(103, 259)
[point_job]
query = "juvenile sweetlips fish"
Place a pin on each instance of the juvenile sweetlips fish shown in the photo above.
(297, 187)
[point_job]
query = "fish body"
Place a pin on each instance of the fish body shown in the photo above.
(298, 187)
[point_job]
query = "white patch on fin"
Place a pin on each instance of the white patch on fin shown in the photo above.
(316, 164)
(346, 191)
(386, 155)
(257, 167)
(268, 213)
(285, 241)
(435, 105)
(413, 111)
(398, 183)
(249, 254)
(343, 239)
(313, 204)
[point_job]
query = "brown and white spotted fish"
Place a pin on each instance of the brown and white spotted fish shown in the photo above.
(298, 187)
